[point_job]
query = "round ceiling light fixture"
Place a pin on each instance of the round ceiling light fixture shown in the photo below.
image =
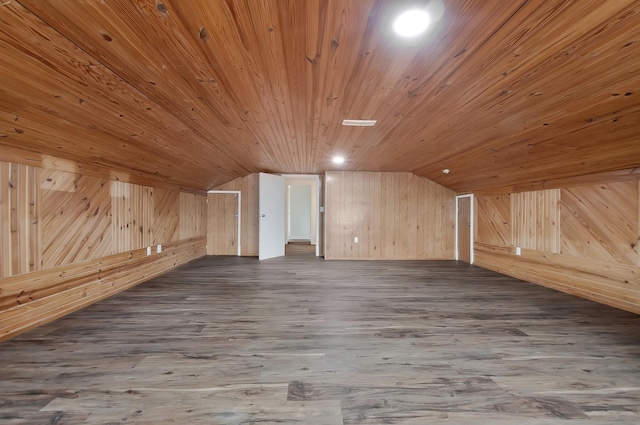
(338, 160)
(412, 23)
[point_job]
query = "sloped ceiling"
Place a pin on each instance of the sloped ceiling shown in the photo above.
(198, 92)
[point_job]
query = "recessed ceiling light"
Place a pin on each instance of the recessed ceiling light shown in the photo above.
(359, 123)
(446, 171)
(338, 160)
(412, 23)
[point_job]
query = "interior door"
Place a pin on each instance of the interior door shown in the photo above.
(271, 204)
(222, 229)
(464, 229)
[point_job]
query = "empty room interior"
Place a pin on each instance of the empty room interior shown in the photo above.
(322, 212)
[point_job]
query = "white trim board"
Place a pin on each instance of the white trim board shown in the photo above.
(471, 231)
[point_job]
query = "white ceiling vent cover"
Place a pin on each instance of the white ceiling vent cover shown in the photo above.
(359, 123)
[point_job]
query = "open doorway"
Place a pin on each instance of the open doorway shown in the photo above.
(301, 215)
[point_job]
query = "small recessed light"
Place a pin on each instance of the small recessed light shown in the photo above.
(412, 23)
(338, 160)
(446, 171)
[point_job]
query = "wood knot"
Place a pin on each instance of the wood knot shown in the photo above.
(161, 8)
(204, 34)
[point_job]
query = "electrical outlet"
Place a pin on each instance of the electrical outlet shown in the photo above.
(159, 248)
(518, 251)
(355, 239)
(148, 250)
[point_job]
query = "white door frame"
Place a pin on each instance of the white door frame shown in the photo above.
(318, 188)
(471, 230)
(239, 193)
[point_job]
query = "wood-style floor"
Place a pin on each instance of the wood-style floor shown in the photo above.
(296, 340)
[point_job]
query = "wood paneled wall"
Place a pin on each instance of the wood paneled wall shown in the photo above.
(580, 240)
(68, 240)
(20, 229)
(248, 186)
(394, 215)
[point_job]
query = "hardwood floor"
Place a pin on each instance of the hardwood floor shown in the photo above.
(296, 340)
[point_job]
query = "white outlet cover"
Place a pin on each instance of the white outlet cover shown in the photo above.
(518, 251)
(148, 250)
(159, 248)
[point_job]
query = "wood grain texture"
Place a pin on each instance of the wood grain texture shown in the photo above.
(193, 216)
(59, 100)
(600, 222)
(76, 218)
(132, 214)
(20, 212)
(54, 292)
(464, 229)
(298, 340)
(222, 224)
(394, 216)
(613, 284)
(249, 188)
(598, 238)
(68, 240)
(197, 93)
(166, 216)
(536, 220)
(493, 220)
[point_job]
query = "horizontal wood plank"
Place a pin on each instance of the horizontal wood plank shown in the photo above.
(56, 292)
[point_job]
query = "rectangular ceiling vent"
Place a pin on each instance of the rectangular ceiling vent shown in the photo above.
(359, 123)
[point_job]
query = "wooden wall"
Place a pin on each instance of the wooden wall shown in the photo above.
(394, 215)
(248, 186)
(68, 240)
(581, 240)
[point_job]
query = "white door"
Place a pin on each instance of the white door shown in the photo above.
(272, 207)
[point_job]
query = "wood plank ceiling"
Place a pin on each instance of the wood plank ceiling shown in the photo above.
(198, 92)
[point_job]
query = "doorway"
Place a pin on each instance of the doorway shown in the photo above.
(464, 228)
(302, 215)
(224, 228)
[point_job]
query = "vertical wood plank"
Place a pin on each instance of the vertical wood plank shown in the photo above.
(35, 215)
(358, 213)
(401, 216)
(378, 212)
(14, 187)
(365, 200)
(5, 221)
(394, 215)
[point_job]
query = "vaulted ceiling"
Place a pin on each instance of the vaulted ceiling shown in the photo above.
(198, 92)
